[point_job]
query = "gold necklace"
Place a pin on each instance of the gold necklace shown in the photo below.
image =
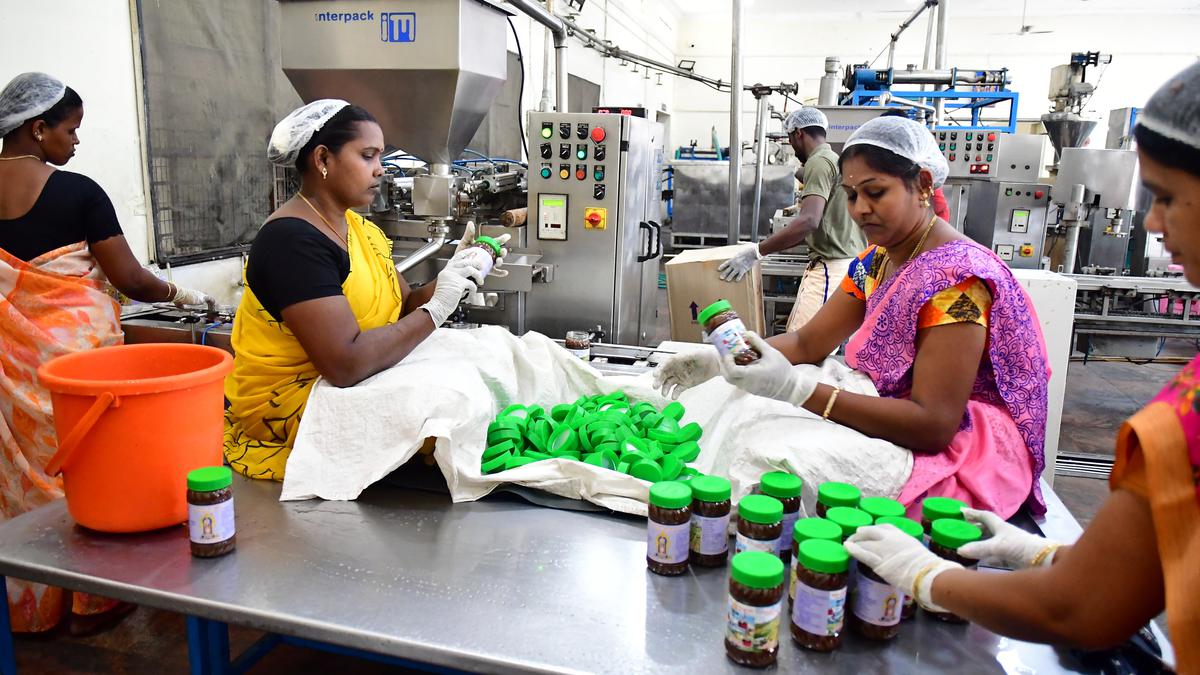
(323, 220)
(9, 159)
(920, 243)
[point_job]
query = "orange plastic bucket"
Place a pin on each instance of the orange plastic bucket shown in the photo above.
(132, 421)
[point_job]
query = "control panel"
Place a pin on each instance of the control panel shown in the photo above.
(575, 164)
(1010, 219)
(992, 155)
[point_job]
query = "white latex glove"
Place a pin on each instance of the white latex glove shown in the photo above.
(899, 559)
(740, 263)
(772, 376)
(468, 238)
(1006, 543)
(681, 372)
(453, 282)
(188, 296)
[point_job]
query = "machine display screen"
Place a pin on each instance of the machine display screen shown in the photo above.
(1019, 221)
(553, 202)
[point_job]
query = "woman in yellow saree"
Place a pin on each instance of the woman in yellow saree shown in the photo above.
(322, 296)
(61, 253)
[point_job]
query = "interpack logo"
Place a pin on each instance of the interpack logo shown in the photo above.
(398, 26)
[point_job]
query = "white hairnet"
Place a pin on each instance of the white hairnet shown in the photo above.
(805, 117)
(27, 96)
(1174, 110)
(294, 131)
(906, 138)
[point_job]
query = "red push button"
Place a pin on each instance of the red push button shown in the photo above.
(991, 138)
(580, 174)
(1038, 194)
(598, 134)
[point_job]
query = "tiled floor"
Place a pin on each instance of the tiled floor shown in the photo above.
(1099, 396)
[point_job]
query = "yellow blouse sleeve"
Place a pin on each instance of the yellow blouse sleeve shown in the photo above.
(969, 301)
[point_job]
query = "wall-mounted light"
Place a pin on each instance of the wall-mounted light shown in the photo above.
(686, 64)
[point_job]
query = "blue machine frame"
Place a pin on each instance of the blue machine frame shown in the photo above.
(868, 89)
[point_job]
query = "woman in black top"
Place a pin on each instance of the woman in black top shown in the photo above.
(59, 240)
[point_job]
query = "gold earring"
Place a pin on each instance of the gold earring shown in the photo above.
(38, 137)
(324, 173)
(925, 200)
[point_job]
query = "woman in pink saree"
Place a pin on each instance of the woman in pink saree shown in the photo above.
(939, 324)
(60, 247)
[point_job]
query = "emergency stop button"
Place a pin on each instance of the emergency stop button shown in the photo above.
(1038, 194)
(598, 134)
(595, 218)
(1027, 251)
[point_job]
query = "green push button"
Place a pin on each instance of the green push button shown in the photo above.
(547, 132)
(546, 172)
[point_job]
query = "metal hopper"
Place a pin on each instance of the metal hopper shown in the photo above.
(426, 69)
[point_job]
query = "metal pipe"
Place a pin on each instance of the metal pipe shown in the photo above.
(559, 32)
(940, 59)
(544, 102)
(735, 124)
(887, 97)
(895, 37)
(830, 82)
(760, 152)
(1074, 211)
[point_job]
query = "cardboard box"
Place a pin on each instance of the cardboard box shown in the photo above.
(693, 284)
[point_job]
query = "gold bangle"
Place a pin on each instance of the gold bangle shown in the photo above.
(172, 291)
(916, 590)
(829, 405)
(1043, 554)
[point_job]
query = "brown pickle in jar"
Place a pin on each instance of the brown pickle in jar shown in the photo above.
(711, 507)
(878, 606)
(758, 536)
(727, 333)
(668, 528)
(818, 610)
(755, 610)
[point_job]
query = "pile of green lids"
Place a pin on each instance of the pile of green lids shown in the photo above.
(606, 431)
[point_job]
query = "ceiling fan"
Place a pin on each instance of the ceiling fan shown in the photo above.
(1025, 29)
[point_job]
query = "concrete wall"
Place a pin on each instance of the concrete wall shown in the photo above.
(789, 46)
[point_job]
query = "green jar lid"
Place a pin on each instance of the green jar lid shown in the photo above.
(674, 410)
(950, 533)
(670, 494)
(849, 519)
(647, 471)
(824, 556)
(534, 454)
(490, 243)
(559, 412)
(906, 525)
(563, 440)
(713, 310)
(936, 508)
(516, 460)
(689, 432)
(761, 509)
(209, 478)
(838, 494)
(690, 471)
(507, 422)
(514, 410)
(711, 489)
(780, 485)
(671, 467)
(662, 436)
(498, 449)
(688, 452)
(495, 464)
(816, 528)
(757, 569)
(881, 507)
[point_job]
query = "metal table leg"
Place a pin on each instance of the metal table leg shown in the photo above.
(208, 646)
(8, 657)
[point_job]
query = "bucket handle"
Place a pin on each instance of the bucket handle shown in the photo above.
(82, 427)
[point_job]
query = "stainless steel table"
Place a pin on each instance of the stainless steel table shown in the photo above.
(497, 585)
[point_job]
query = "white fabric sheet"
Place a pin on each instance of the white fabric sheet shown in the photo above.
(454, 384)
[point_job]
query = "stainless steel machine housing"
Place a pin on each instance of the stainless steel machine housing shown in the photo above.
(594, 206)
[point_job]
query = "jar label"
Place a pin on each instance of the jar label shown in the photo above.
(819, 612)
(667, 544)
(710, 536)
(480, 259)
(789, 523)
(212, 523)
(876, 603)
(585, 354)
(744, 543)
(730, 338)
(753, 629)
